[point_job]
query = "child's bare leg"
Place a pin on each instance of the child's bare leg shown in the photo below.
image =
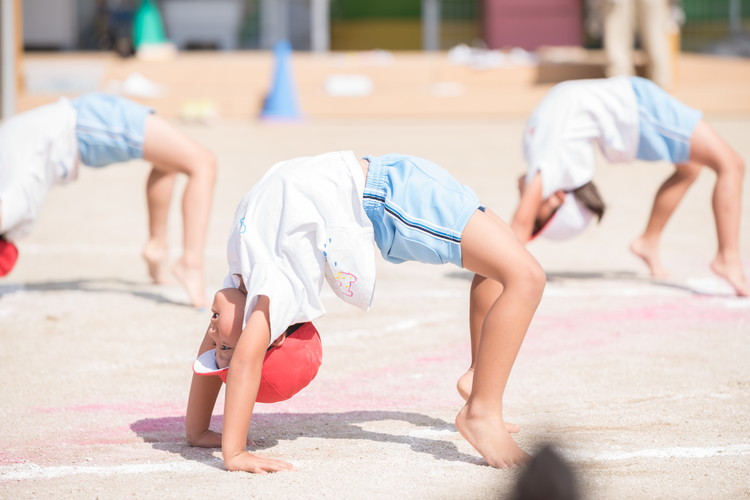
(491, 249)
(483, 294)
(708, 148)
(173, 152)
(464, 385)
(669, 195)
(159, 189)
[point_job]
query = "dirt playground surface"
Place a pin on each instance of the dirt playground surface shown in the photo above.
(643, 385)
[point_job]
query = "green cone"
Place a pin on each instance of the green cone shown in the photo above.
(147, 25)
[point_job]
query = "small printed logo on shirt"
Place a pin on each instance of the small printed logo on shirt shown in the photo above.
(243, 227)
(345, 282)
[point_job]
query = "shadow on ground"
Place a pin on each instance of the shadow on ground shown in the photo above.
(168, 433)
(99, 285)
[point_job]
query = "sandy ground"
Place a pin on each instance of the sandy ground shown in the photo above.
(643, 385)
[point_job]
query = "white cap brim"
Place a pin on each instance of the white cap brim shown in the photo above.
(569, 220)
(205, 364)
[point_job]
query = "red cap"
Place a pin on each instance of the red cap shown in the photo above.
(8, 256)
(287, 369)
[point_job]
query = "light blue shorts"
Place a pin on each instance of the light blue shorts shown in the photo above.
(418, 210)
(666, 124)
(110, 129)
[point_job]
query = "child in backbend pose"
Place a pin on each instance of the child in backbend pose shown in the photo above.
(313, 219)
(44, 146)
(628, 118)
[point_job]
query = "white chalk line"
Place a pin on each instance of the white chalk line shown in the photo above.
(673, 452)
(29, 471)
(684, 452)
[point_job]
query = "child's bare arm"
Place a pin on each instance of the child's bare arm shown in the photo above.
(203, 393)
(243, 381)
(531, 198)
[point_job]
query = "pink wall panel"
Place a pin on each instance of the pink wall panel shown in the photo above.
(532, 23)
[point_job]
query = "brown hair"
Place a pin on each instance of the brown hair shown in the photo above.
(589, 195)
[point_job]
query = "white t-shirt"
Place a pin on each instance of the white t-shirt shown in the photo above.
(301, 222)
(560, 135)
(38, 149)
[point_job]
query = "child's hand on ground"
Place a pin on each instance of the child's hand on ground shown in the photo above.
(207, 439)
(253, 463)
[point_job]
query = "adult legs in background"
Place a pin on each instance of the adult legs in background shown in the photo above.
(651, 17)
(618, 38)
(653, 25)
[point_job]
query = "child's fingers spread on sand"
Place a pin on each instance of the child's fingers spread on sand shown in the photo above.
(258, 465)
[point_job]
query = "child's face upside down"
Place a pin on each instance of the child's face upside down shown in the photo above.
(225, 325)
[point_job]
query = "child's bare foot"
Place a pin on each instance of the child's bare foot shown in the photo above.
(464, 386)
(156, 257)
(191, 279)
(488, 436)
(649, 254)
(733, 274)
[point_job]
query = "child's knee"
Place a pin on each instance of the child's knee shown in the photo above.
(203, 164)
(726, 160)
(537, 279)
(530, 280)
(733, 166)
(209, 162)
(739, 163)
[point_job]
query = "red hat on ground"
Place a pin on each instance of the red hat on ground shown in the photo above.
(287, 369)
(8, 256)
